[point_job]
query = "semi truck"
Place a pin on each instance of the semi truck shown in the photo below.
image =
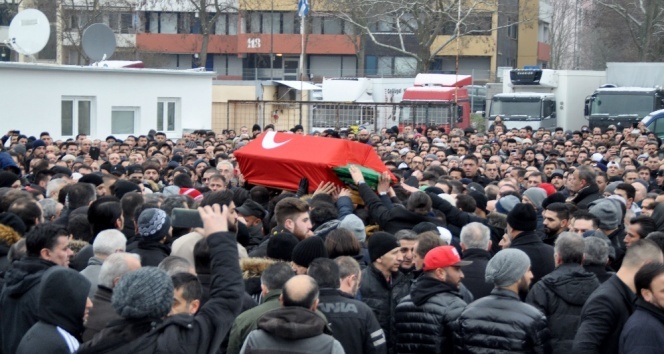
(372, 103)
(437, 100)
(544, 98)
(631, 92)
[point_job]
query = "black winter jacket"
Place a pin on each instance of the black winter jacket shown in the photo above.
(183, 333)
(19, 300)
(560, 296)
(540, 254)
(423, 319)
(586, 196)
(152, 252)
(501, 323)
(603, 317)
(352, 322)
(382, 297)
(394, 219)
(473, 274)
(457, 219)
(63, 294)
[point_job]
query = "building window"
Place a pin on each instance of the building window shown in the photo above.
(167, 111)
(478, 24)
(512, 29)
(123, 120)
(76, 115)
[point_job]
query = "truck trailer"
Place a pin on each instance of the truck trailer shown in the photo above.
(369, 102)
(632, 91)
(437, 100)
(544, 98)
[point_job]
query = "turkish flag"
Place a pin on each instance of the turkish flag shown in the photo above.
(280, 160)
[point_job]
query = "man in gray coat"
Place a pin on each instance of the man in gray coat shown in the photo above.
(295, 327)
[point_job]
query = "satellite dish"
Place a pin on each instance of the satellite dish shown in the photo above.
(28, 32)
(98, 42)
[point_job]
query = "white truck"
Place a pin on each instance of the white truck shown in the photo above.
(544, 98)
(632, 91)
(369, 102)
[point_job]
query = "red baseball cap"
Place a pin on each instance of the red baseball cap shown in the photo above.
(443, 256)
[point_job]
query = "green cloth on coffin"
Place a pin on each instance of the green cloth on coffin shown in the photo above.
(370, 176)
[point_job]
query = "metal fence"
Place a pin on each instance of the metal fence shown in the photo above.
(319, 115)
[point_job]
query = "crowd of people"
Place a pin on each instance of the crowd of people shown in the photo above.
(505, 241)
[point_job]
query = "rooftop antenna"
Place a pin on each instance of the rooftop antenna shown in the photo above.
(28, 32)
(98, 42)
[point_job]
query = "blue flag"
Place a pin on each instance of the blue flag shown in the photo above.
(303, 8)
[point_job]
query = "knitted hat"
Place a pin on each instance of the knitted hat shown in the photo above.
(153, 224)
(548, 188)
(536, 195)
(12, 220)
(506, 203)
(19, 149)
(122, 187)
(611, 187)
(557, 173)
(7, 179)
(171, 190)
(608, 212)
(507, 267)
(553, 198)
(355, 225)
(281, 245)
(381, 243)
(144, 293)
(522, 217)
(475, 187)
(307, 250)
(37, 143)
(190, 144)
(192, 192)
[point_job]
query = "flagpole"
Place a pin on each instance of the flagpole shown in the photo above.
(302, 28)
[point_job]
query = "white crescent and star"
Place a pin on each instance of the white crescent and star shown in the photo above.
(268, 142)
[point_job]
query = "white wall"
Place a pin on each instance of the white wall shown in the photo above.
(31, 97)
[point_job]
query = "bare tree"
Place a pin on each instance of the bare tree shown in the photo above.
(75, 16)
(643, 25)
(563, 34)
(421, 29)
(206, 13)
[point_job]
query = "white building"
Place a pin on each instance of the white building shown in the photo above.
(68, 100)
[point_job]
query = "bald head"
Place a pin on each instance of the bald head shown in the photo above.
(300, 291)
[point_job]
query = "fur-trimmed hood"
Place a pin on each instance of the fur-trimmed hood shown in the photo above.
(254, 267)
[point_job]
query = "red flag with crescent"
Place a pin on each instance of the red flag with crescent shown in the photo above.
(280, 160)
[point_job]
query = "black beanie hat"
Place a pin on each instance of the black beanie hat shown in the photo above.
(553, 198)
(522, 217)
(12, 220)
(280, 246)
(381, 243)
(307, 250)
